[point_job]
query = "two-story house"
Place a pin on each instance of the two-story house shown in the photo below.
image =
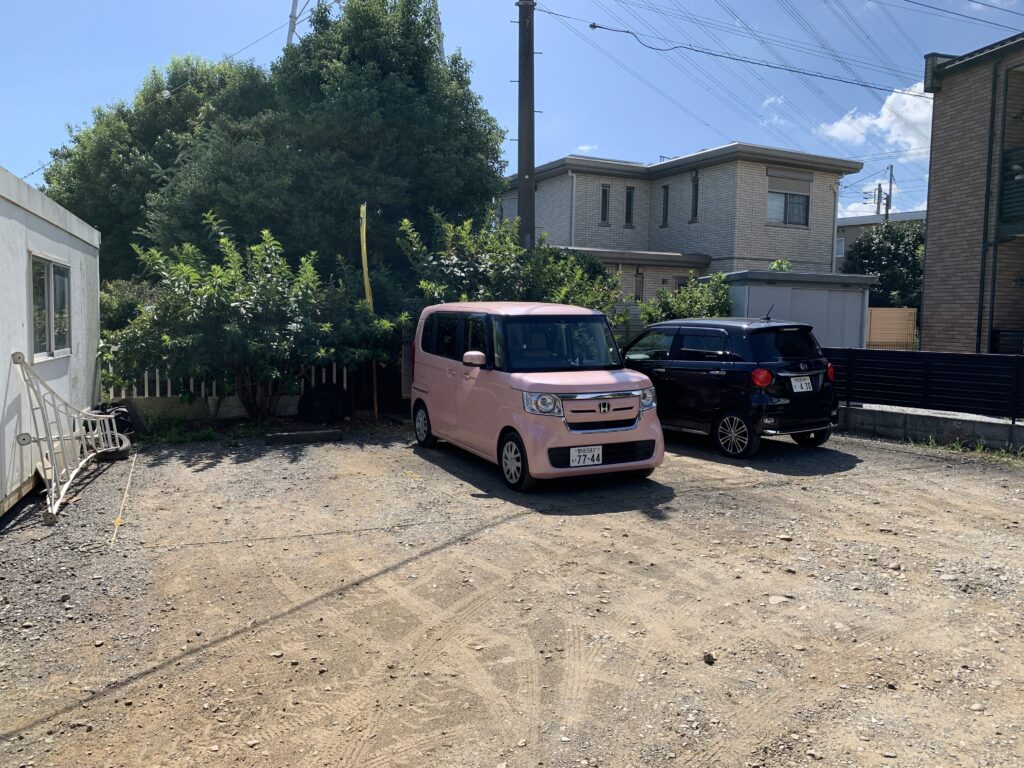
(973, 293)
(735, 207)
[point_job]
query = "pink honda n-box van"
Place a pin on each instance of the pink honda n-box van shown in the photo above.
(538, 389)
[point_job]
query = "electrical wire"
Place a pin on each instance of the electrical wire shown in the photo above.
(167, 93)
(945, 12)
(675, 45)
(997, 7)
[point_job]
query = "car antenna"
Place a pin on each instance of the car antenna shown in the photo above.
(768, 314)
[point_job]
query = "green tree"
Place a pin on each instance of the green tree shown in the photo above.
(488, 264)
(895, 252)
(781, 265)
(695, 298)
(367, 108)
(131, 149)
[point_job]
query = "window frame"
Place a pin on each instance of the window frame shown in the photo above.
(49, 289)
(630, 203)
(664, 205)
(606, 204)
(695, 196)
(785, 222)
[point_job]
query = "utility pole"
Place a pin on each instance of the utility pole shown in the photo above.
(878, 199)
(293, 18)
(888, 198)
(526, 190)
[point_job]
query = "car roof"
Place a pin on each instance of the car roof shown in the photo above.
(731, 324)
(512, 308)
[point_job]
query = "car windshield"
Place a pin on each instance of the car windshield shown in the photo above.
(784, 344)
(549, 343)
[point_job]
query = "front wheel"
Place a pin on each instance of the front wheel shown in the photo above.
(812, 439)
(421, 422)
(735, 436)
(515, 467)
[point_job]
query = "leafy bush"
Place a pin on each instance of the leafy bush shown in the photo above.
(250, 317)
(695, 298)
(895, 252)
(781, 265)
(488, 264)
(122, 300)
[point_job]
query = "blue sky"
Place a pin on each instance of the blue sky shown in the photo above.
(65, 57)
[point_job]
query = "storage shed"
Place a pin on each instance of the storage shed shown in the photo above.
(49, 297)
(835, 304)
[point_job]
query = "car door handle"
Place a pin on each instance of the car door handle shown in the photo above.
(717, 373)
(657, 370)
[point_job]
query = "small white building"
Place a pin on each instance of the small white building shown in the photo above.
(49, 310)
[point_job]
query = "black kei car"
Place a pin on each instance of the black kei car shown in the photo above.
(737, 379)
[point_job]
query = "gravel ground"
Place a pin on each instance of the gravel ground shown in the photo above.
(368, 603)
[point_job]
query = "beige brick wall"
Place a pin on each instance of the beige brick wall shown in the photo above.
(589, 230)
(714, 230)
(554, 208)
(759, 243)
(956, 196)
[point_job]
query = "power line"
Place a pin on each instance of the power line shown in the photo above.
(962, 15)
(997, 7)
(675, 102)
(915, 49)
(167, 93)
(750, 34)
(675, 45)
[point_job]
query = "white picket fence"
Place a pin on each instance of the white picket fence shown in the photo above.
(158, 383)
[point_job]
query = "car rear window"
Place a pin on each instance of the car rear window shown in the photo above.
(784, 344)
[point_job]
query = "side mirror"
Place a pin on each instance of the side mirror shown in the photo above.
(475, 359)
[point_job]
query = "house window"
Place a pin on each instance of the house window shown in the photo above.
(630, 191)
(694, 196)
(664, 205)
(606, 192)
(788, 208)
(51, 308)
(840, 246)
(638, 285)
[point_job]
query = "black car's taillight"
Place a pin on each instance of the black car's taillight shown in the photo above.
(761, 378)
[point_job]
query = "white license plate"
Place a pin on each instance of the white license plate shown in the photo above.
(585, 456)
(802, 384)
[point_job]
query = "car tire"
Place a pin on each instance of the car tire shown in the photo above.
(513, 463)
(421, 425)
(735, 436)
(812, 439)
(640, 474)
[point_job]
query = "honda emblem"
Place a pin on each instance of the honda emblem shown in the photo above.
(803, 366)
(604, 407)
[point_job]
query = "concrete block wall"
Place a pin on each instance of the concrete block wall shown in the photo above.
(759, 243)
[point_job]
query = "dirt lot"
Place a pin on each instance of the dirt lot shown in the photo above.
(369, 604)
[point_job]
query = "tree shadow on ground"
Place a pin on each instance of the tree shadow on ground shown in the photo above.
(587, 495)
(777, 456)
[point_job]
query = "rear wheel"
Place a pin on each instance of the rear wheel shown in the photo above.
(421, 422)
(812, 439)
(735, 436)
(515, 467)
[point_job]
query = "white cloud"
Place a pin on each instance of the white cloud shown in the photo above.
(586, 148)
(772, 101)
(904, 122)
(865, 204)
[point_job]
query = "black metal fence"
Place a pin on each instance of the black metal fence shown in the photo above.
(988, 385)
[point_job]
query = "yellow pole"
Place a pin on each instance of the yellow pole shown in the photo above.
(369, 299)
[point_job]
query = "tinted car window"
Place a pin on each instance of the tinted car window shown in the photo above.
(694, 346)
(653, 345)
(784, 344)
(551, 343)
(447, 329)
(427, 340)
(498, 340)
(474, 335)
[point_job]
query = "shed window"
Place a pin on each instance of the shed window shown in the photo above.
(51, 308)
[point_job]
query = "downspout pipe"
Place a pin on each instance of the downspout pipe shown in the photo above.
(835, 224)
(987, 204)
(999, 199)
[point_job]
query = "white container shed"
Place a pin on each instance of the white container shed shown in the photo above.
(49, 310)
(835, 304)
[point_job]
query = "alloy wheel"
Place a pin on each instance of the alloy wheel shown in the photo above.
(422, 425)
(733, 435)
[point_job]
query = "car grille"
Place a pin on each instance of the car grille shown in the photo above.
(592, 426)
(611, 453)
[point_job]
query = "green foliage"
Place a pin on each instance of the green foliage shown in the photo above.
(781, 265)
(123, 300)
(488, 264)
(895, 252)
(130, 150)
(365, 108)
(708, 298)
(249, 316)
